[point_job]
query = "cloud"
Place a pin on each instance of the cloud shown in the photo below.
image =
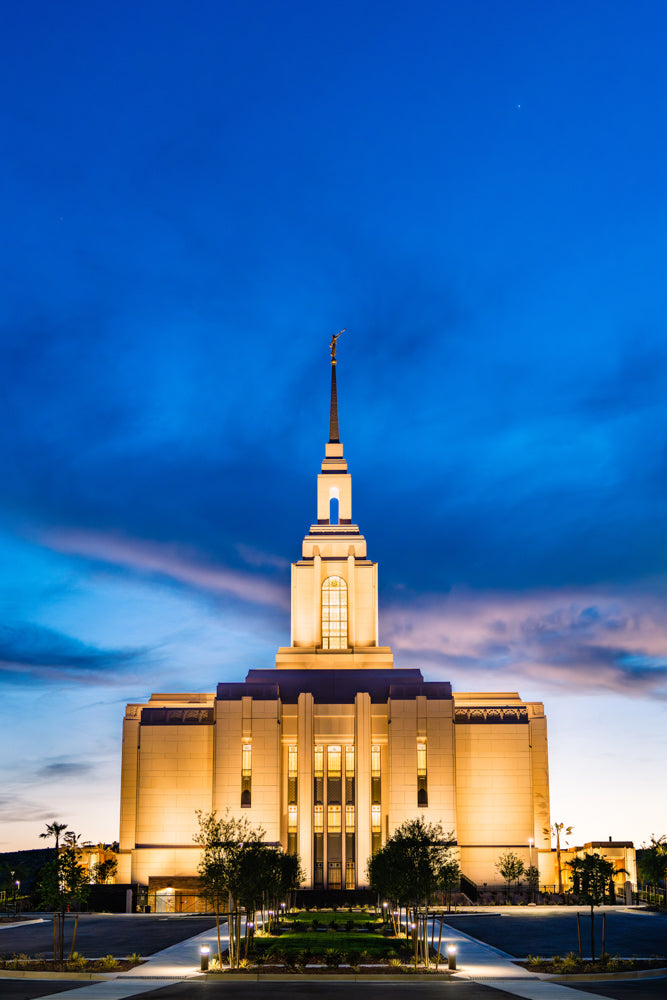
(170, 562)
(65, 769)
(29, 651)
(14, 809)
(580, 642)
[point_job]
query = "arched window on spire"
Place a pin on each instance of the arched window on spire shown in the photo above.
(334, 613)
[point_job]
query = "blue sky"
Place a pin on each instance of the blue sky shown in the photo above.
(194, 197)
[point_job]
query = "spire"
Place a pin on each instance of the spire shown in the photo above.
(333, 410)
(333, 414)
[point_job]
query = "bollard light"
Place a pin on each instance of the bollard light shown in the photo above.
(451, 957)
(203, 955)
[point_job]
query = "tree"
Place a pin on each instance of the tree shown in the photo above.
(415, 862)
(104, 871)
(591, 875)
(511, 867)
(222, 841)
(555, 830)
(63, 884)
(54, 829)
(652, 863)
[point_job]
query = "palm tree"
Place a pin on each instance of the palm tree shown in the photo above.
(555, 830)
(54, 830)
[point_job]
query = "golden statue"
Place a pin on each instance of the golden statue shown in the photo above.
(332, 345)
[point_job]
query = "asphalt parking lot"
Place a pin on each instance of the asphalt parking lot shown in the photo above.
(105, 934)
(635, 934)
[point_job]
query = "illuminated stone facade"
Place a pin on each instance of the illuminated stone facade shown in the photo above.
(334, 747)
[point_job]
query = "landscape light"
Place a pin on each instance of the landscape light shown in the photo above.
(204, 953)
(451, 957)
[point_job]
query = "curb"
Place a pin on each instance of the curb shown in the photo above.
(602, 977)
(85, 976)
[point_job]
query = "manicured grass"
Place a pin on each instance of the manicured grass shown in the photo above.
(291, 939)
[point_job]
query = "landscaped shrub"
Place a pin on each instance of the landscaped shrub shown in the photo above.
(134, 958)
(353, 958)
(365, 956)
(315, 923)
(303, 957)
(349, 925)
(109, 962)
(333, 957)
(395, 963)
(534, 960)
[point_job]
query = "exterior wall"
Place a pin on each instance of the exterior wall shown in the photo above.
(501, 783)
(175, 772)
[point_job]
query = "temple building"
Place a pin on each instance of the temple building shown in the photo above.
(334, 747)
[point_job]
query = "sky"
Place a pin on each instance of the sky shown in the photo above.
(194, 197)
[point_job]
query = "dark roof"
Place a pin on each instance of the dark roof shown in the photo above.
(334, 687)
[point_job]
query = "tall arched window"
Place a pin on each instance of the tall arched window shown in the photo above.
(334, 613)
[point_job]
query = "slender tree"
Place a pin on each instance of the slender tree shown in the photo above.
(511, 867)
(54, 829)
(557, 830)
(652, 863)
(590, 876)
(63, 884)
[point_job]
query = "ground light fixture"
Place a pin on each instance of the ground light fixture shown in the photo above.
(451, 957)
(204, 952)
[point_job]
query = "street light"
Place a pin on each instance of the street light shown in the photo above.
(532, 883)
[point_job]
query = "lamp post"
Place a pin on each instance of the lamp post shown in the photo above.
(451, 957)
(203, 957)
(532, 883)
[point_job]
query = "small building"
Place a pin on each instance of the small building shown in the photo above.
(334, 747)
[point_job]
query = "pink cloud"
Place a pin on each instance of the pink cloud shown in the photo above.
(169, 561)
(577, 640)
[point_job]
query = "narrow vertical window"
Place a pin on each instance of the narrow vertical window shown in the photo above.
(349, 875)
(349, 762)
(349, 819)
(375, 762)
(319, 762)
(333, 762)
(292, 773)
(291, 819)
(376, 820)
(334, 613)
(318, 819)
(333, 819)
(376, 788)
(422, 786)
(246, 775)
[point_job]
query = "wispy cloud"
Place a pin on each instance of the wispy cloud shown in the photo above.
(34, 652)
(171, 562)
(577, 641)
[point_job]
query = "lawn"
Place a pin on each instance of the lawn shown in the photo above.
(347, 937)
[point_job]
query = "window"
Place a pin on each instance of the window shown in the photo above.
(349, 875)
(291, 762)
(333, 819)
(334, 613)
(334, 874)
(376, 820)
(422, 788)
(349, 762)
(318, 820)
(349, 819)
(291, 819)
(333, 762)
(375, 762)
(246, 775)
(319, 762)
